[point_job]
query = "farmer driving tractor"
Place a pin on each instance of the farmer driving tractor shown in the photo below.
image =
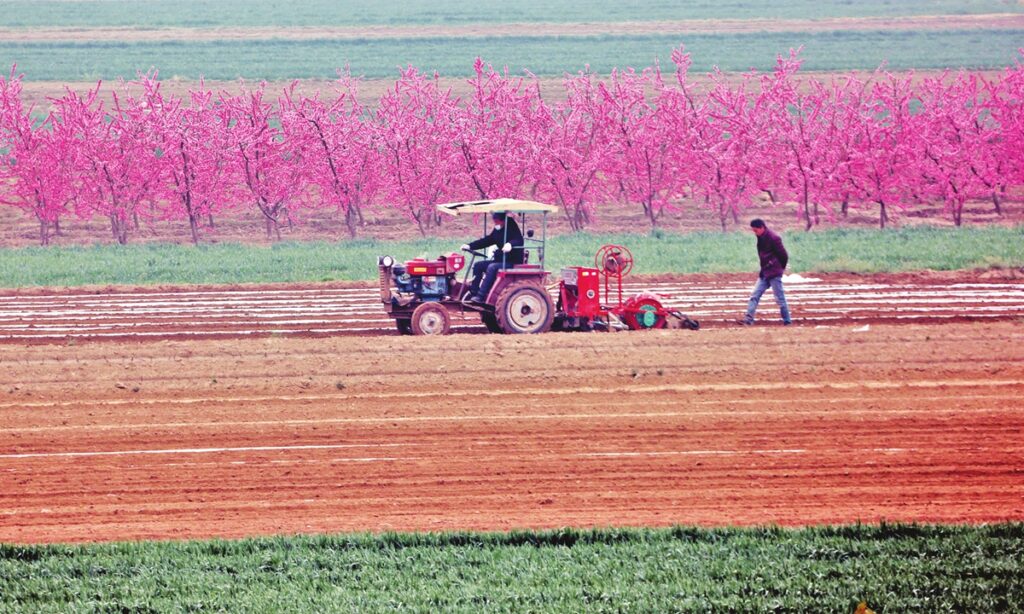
(510, 291)
(509, 238)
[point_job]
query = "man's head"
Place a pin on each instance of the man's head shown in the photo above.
(498, 217)
(757, 226)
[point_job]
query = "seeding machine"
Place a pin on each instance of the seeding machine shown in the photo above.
(423, 295)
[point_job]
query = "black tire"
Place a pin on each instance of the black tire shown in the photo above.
(490, 321)
(431, 319)
(404, 326)
(524, 308)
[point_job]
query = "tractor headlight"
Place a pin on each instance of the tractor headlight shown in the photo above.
(387, 261)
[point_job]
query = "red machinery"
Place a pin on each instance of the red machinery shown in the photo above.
(580, 307)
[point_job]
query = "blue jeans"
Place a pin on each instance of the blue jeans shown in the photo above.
(775, 283)
(484, 274)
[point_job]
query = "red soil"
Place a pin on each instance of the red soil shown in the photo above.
(237, 437)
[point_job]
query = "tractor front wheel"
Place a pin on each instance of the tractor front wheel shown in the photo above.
(431, 319)
(524, 309)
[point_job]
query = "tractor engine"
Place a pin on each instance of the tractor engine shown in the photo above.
(427, 280)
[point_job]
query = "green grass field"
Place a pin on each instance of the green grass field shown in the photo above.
(203, 13)
(859, 251)
(894, 568)
(286, 59)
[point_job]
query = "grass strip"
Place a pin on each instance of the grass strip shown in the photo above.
(275, 59)
(203, 13)
(892, 567)
(835, 250)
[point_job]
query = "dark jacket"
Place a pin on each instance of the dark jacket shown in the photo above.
(774, 257)
(509, 233)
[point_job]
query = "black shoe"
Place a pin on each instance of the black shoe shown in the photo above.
(745, 322)
(787, 323)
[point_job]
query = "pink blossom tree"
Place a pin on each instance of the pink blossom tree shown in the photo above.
(573, 145)
(1005, 103)
(32, 161)
(269, 166)
(809, 126)
(339, 145)
(196, 155)
(729, 148)
(954, 135)
(495, 130)
(885, 154)
(416, 123)
(647, 139)
(115, 161)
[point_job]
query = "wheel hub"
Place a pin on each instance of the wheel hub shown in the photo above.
(525, 311)
(431, 323)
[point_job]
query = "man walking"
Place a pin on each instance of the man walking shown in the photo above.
(774, 258)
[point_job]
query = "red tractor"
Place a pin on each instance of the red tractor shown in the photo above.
(422, 295)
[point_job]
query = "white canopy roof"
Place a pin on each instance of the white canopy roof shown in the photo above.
(509, 205)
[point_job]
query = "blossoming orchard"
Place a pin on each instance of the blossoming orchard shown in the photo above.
(650, 139)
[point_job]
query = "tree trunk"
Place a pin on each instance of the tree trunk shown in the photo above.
(883, 217)
(581, 217)
(419, 222)
(997, 202)
(273, 229)
(574, 216)
(193, 225)
(352, 218)
(649, 212)
(44, 233)
(119, 228)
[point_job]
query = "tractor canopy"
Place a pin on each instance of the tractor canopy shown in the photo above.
(507, 205)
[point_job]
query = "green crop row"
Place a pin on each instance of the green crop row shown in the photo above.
(859, 251)
(202, 13)
(274, 59)
(893, 568)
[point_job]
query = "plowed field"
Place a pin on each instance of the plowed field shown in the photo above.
(890, 399)
(325, 309)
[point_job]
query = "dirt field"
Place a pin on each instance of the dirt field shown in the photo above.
(148, 314)
(827, 421)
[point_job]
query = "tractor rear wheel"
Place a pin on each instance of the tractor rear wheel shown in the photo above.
(524, 309)
(431, 319)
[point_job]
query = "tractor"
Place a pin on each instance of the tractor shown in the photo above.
(422, 295)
